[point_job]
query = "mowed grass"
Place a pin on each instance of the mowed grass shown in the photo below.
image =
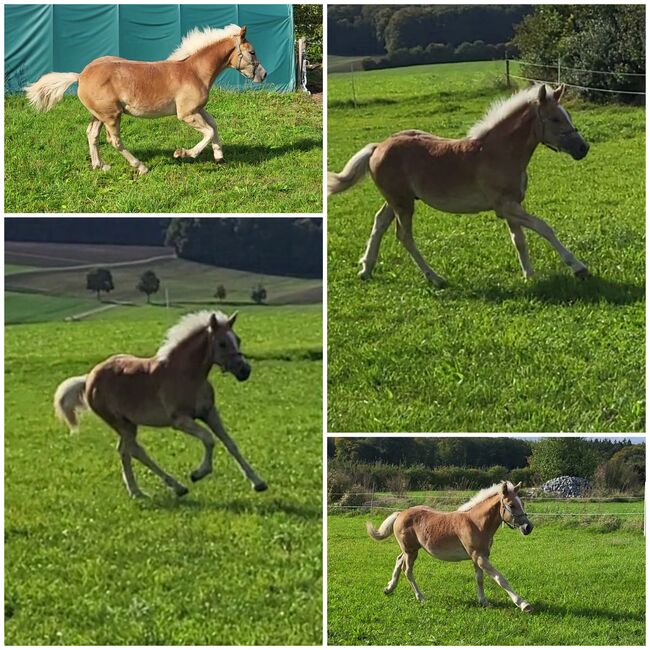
(224, 565)
(272, 146)
(587, 588)
(491, 352)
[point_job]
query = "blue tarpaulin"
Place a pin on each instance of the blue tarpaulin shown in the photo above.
(65, 38)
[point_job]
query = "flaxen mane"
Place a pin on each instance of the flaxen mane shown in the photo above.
(503, 108)
(484, 494)
(198, 38)
(187, 326)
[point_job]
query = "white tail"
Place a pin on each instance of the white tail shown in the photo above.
(49, 89)
(70, 398)
(385, 529)
(355, 169)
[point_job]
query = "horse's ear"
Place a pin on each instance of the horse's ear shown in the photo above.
(213, 323)
(517, 487)
(242, 34)
(541, 95)
(504, 488)
(232, 319)
(559, 92)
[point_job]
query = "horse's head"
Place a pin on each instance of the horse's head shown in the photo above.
(225, 348)
(512, 509)
(245, 60)
(557, 129)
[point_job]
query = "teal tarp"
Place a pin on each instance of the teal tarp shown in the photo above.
(65, 38)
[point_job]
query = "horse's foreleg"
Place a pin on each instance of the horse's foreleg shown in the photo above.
(481, 562)
(407, 566)
(390, 587)
(124, 450)
(217, 149)
(93, 130)
(383, 219)
(482, 600)
(213, 420)
(514, 212)
(113, 130)
(519, 240)
(187, 425)
(405, 236)
(198, 122)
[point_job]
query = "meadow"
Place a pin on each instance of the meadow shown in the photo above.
(585, 578)
(491, 352)
(272, 146)
(85, 565)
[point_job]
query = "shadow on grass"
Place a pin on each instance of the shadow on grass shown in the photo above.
(587, 612)
(562, 290)
(257, 505)
(233, 153)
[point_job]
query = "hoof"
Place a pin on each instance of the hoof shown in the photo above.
(181, 491)
(438, 282)
(582, 274)
(138, 495)
(527, 607)
(261, 487)
(142, 170)
(105, 168)
(179, 153)
(420, 598)
(219, 161)
(364, 275)
(388, 591)
(483, 603)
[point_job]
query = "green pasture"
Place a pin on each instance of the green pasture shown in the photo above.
(587, 587)
(85, 565)
(272, 146)
(491, 352)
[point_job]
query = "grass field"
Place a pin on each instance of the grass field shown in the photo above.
(587, 587)
(43, 293)
(223, 565)
(490, 352)
(272, 146)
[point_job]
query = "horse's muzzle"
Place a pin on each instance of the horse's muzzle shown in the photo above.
(260, 74)
(578, 149)
(526, 529)
(242, 372)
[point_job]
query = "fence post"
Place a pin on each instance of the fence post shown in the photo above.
(507, 71)
(558, 69)
(354, 92)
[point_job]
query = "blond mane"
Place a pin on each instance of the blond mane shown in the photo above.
(198, 38)
(503, 108)
(484, 494)
(187, 326)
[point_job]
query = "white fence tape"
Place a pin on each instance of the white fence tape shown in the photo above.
(554, 67)
(600, 90)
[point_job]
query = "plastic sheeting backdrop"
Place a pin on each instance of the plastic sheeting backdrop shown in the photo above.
(65, 38)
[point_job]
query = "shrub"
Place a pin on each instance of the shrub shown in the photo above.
(524, 474)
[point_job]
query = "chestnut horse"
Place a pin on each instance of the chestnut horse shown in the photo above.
(465, 534)
(484, 171)
(110, 86)
(169, 389)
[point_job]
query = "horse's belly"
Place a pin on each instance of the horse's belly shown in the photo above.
(450, 553)
(161, 110)
(463, 201)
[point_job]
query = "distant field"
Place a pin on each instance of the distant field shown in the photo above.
(85, 565)
(43, 294)
(272, 145)
(344, 63)
(585, 580)
(490, 352)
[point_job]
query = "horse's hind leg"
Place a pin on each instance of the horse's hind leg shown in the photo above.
(138, 452)
(216, 140)
(198, 122)
(405, 236)
(395, 577)
(383, 219)
(93, 130)
(113, 131)
(407, 566)
(519, 240)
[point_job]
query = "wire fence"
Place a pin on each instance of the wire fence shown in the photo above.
(560, 69)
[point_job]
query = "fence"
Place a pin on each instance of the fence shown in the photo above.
(560, 69)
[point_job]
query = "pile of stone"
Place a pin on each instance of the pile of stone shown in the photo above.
(566, 487)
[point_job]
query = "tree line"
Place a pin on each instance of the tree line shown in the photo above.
(273, 246)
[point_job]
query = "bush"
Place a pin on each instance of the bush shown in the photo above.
(525, 475)
(621, 473)
(398, 484)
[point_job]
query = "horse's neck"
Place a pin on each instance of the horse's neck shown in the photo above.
(210, 61)
(516, 138)
(486, 515)
(190, 358)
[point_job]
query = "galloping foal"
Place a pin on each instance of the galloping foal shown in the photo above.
(484, 171)
(169, 389)
(110, 86)
(465, 534)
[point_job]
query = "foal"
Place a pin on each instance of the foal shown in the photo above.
(484, 171)
(110, 86)
(169, 389)
(454, 536)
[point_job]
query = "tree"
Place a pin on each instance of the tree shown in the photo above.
(308, 24)
(258, 294)
(99, 280)
(220, 293)
(554, 457)
(148, 284)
